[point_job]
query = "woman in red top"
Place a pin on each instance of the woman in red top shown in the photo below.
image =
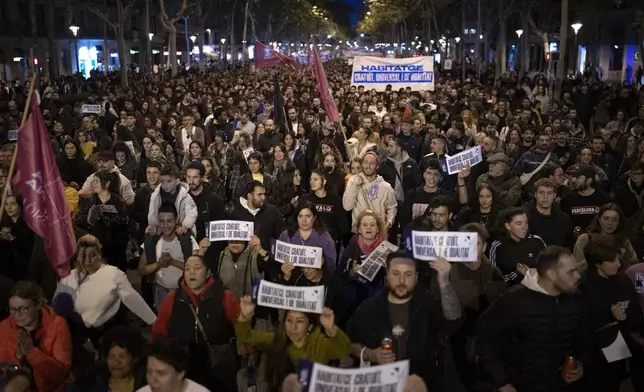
(36, 337)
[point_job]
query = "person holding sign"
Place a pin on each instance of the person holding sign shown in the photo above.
(310, 231)
(517, 251)
(370, 235)
(297, 337)
(200, 314)
(613, 305)
(390, 313)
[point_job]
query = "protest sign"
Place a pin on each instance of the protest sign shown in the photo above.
(376, 259)
(378, 72)
(229, 230)
(12, 135)
(391, 377)
(463, 159)
(303, 299)
(454, 246)
(91, 109)
(247, 152)
(299, 255)
(130, 146)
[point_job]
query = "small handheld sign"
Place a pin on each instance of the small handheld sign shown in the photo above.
(91, 109)
(453, 246)
(391, 377)
(230, 230)
(463, 159)
(299, 255)
(303, 299)
(376, 260)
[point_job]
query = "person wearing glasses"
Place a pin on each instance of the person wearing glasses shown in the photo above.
(34, 336)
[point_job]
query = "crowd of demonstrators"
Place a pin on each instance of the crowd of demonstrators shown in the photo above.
(556, 203)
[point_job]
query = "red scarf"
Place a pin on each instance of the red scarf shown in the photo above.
(368, 248)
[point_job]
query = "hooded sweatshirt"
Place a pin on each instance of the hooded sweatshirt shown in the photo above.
(186, 208)
(377, 196)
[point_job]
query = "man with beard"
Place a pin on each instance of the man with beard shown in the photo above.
(293, 121)
(506, 186)
(585, 200)
(389, 315)
(562, 148)
(527, 142)
(605, 161)
(531, 159)
(269, 139)
(525, 337)
(369, 191)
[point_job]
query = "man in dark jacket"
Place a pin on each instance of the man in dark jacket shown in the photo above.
(252, 207)
(391, 314)
(411, 141)
(269, 139)
(630, 194)
(210, 207)
(40, 270)
(525, 337)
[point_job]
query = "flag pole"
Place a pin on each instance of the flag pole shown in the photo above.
(25, 112)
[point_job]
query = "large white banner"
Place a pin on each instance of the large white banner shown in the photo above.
(378, 72)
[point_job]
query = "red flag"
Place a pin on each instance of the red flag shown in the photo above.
(44, 204)
(323, 85)
(266, 57)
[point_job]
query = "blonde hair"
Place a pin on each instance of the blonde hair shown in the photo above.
(88, 241)
(379, 222)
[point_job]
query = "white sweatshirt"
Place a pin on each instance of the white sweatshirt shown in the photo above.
(99, 296)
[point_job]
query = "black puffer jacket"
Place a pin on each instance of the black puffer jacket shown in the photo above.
(371, 323)
(526, 335)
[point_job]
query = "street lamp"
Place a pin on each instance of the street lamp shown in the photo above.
(457, 39)
(576, 27)
(150, 35)
(361, 35)
(519, 33)
(481, 36)
(74, 29)
(193, 38)
(221, 49)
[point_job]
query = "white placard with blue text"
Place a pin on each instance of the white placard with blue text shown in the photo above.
(376, 260)
(453, 246)
(230, 230)
(463, 159)
(391, 377)
(299, 255)
(92, 109)
(303, 299)
(375, 73)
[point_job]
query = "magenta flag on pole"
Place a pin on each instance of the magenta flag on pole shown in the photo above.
(44, 204)
(323, 85)
(266, 57)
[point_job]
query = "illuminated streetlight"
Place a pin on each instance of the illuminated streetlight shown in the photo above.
(193, 38)
(457, 39)
(576, 27)
(223, 41)
(362, 35)
(74, 29)
(368, 12)
(315, 7)
(328, 36)
(208, 30)
(519, 33)
(481, 36)
(150, 35)
(431, 41)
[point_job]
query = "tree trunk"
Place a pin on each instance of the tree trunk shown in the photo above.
(563, 39)
(501, 46)
(252, 27)
(172, 48)
(233, 55)
(245, 33)
(122, 55)
(52, 52)
(201, 39)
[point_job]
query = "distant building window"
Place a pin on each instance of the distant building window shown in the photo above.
(472, 31)
(466, 31)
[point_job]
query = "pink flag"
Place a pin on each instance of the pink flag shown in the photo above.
(44, 203)
(266, 57)
(323, 85)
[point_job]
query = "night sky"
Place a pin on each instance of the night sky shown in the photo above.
(345, 12)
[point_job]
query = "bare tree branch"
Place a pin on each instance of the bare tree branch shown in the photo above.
(101, 15)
